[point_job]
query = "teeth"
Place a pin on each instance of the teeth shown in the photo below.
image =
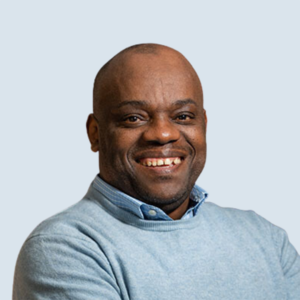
(177, 161)
(167, 162)
(160, 162)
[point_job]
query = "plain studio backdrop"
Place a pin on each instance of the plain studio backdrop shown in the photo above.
(246, 54)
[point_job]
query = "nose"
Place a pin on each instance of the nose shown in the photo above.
(161, 131)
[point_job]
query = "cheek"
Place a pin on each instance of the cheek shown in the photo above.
(196, 137)
(116, 146)
(197, 140)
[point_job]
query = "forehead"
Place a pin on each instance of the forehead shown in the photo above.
(156, 79)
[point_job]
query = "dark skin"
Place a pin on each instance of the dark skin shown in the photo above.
(150, 109)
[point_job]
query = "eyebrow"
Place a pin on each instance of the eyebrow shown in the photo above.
(185, 102)
(132, 103)
(139, 103)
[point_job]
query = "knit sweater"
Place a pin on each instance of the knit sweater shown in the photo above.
(96, 250)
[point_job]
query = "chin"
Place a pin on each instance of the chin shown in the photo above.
(164, 197)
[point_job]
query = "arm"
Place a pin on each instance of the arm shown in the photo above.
(62, 267)
(290, 262)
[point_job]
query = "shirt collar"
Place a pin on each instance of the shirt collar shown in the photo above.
(143, 210)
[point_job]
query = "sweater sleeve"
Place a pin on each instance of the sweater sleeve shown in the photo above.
(60, 267)
(290, 262)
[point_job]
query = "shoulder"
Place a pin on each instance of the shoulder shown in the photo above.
(65, 238)
(60, 252)
(244, 221)
(74, 222)
(233, 214)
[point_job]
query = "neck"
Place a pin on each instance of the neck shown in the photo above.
(180, 211)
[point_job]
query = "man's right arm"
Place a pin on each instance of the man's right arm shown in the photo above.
(62, 267)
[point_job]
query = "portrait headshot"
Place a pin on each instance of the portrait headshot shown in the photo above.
(151, 152)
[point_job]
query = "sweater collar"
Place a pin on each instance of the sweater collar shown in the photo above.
(143, 210)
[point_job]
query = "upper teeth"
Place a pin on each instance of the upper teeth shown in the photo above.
(177, 161)
(161, 161)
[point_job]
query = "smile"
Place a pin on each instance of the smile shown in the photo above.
(160, 162)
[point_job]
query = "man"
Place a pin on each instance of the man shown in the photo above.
(143, 231)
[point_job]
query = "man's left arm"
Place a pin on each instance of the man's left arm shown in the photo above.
(290, 262)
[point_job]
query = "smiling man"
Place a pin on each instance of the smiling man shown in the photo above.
(143, 231)
(149, 126)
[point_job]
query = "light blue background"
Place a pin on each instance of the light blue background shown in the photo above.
(245, 52)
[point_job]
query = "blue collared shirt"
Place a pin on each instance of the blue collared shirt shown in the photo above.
(143, 210)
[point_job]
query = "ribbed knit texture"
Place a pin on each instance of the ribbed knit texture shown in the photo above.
(95, 250)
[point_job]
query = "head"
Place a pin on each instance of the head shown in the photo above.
(149, 125)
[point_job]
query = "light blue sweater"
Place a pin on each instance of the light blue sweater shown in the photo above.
(96, 250)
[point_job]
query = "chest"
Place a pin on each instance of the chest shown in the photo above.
(185, 265)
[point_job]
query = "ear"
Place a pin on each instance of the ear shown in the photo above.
(205, 119)
(93, 132)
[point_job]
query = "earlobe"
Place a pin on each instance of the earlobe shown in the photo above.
(93, 133)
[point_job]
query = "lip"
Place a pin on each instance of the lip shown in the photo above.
(162, 170)
(160, 154)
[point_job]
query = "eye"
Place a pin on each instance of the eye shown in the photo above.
(132, 119)
(184, 117)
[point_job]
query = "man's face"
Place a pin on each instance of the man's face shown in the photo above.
(152, 128)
